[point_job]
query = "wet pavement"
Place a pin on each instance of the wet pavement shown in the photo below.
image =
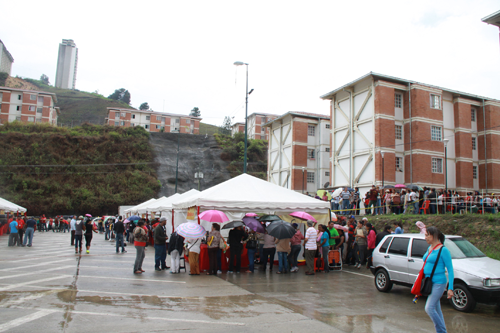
(47, 288)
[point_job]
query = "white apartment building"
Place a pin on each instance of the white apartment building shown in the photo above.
(6, 59)
(67, 62)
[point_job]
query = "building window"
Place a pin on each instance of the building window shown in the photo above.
(310, 177)
(31, 108)
(310, 154)
(327, 173)
(473, 115)
(18, 97)
(146, 126)
(327, 126)
(188, 121)
(18, 118)
(435, 101)
(399, 164)
(133, 116)
(436, 133)
(148, 117)
(311, 130)
(158, 118)
(31, 119)
(40, 99)
(33, 97)
(263, 120)
(474, 172)
(327, 150)
(474, 143)
(117, 123)
(122, 123)
(399, 132)
(117, 115)
(157, 126)
(39, 110)
(18, 108)
(437, 165)
(123, 114)
(398, 100)
(176, 121)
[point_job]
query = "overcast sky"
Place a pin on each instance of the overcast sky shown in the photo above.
(176, 55)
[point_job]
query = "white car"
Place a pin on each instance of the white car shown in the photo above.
(397, 259)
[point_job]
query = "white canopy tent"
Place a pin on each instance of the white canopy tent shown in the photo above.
(155, 205)
(136, 209)
(8, 206)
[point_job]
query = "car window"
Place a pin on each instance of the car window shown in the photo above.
(384, 246)
(462, 248)
(418, 248)
(399, 246)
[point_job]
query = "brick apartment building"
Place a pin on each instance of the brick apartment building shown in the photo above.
(410, 122)
(256, 129)
(27, 106)
(153, 121)
(299, 151)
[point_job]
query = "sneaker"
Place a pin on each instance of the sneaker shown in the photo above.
(158, 269)
(124, 251)
(88, 251)
(219, 272)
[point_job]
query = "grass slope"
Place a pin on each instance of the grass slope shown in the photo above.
(68, 183)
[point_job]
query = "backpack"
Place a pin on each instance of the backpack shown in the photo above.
(396, 200)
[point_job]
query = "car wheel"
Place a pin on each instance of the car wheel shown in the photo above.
(462, 299)
(382, 281)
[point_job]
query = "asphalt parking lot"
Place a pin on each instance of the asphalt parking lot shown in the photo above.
(47, 288)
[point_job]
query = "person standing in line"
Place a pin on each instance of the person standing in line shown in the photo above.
(346, 195)
(251, 245)
(21, 223)
(78, 234)
(120, 232)
(283, 248)
(140, 240)
(175, 248)
(324, 245)
(235, 239)
(72, 224)
(381, 235)
(193, 246)
(269, 252)
(296, 246)
(213, 242)
(30, 231)
(361, 244)
(42, 223)
(311, 247)
(14, 233)
(89, 228)
(106, 229)
(435, 239)
(160, 238)
(371, 238)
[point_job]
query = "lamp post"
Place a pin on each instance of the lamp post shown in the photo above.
(303, 169)
(446, 165)
(240, 63)
(382, 154)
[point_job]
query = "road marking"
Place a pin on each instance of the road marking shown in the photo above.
(370, 276)
(36, 258)
(12, 286)
(37, 272)
(30, 266)
(130, 279)
(199, 321)
(23, 320)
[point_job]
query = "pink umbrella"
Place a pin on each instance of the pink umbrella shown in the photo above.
(213, 216)
(399, 186)
(251, 214)
(303, 216)
(338, 226)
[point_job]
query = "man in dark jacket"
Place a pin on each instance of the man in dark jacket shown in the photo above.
(432, 201)
(160, 238)
(381, 235)
(236, 236)
(120, 232)
(175, 248)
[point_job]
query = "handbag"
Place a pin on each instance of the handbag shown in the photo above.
(417, 286)
(252, 244)
(426, 288)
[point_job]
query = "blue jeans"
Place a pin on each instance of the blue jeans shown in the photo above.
(325, 250)
(78, 242)
(379, 209)
(433, 307)
(160, 256)
(106, 234)
(251, 259)
(345, 207)
(28, 236)
(416, 209)
(283, 263)
(119, 238)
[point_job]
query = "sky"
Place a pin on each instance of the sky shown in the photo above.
(177, 55)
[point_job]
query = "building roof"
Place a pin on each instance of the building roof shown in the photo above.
(154, 112)
(7, 52)
(264, 114)
(301, 114)
(402, 81)
(493, 19)
(32, 91)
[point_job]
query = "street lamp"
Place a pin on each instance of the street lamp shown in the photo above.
(198, 175)
(240, 63)
(303, 169)
(446, 165)
(382, 154)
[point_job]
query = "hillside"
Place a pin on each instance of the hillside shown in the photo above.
(88, 169)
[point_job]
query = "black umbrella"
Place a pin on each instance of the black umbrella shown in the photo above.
(233, 224)
(281, 229)
(414, 187)
(269, 218)
(389, 186)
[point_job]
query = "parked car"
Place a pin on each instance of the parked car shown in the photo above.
(398, 259)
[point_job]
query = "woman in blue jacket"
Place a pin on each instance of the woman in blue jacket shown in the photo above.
(435, 239)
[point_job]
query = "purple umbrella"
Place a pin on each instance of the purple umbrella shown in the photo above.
(253, 224)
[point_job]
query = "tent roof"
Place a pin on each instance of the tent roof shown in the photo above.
(10, 206)
(158, 204)
(167, 203)
(139, 206)
(250, 193)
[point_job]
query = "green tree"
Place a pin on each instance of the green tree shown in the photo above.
(144, 106)
(227, 123)
(45, 79)
(121, 94)
(195, 112)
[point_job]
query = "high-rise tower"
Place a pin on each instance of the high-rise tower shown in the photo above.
(66, 64)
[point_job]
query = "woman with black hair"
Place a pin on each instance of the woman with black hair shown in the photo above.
(370, 239)
(437, 255)
(89, 228)
(140, 241)
(399, 228)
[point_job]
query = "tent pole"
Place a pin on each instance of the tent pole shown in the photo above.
(198, 215)
(173, 220)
